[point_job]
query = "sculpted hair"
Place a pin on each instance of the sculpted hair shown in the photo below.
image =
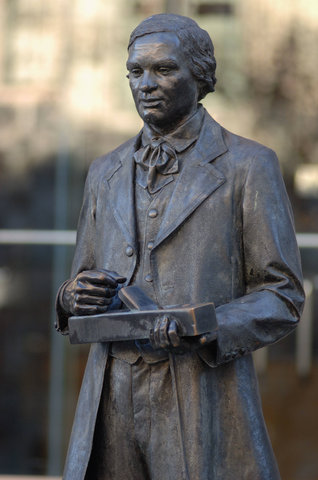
(195, 42)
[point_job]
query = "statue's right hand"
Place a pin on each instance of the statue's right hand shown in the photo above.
(91, 292)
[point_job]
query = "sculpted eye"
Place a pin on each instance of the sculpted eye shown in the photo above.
(135, 72)
(164, 70)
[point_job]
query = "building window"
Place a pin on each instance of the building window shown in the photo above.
(215, 8)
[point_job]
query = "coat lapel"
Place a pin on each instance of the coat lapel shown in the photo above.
(198, 179)
(119, 179)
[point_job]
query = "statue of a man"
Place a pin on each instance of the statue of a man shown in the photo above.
(190, 213)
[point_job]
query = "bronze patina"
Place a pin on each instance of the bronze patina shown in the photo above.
(185, 213)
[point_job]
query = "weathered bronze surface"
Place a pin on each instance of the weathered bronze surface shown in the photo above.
(189, 213)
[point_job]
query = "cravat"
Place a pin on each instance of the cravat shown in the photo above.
(158, 158)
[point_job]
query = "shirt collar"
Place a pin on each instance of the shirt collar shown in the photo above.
(182, 137)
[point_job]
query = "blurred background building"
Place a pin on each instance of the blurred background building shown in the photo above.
(64, 99)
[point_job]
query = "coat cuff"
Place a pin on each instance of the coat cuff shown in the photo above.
(62, 316)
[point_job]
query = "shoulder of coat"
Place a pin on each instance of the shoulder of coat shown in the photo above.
(246, 151)
(237, 143)
(101, 165)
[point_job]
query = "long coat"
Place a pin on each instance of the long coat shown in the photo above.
(227, 236)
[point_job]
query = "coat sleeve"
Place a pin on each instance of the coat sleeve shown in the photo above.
(273, 299)
(84, 257)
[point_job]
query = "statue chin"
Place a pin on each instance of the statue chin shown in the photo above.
(152, 117)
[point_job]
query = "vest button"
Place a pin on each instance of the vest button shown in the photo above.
(148, 278)
(153, 213)
(150, 245)
(129, 251)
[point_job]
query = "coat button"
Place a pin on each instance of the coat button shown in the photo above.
(148, 278)
(153, 213)
(150, 245)
(129, 251)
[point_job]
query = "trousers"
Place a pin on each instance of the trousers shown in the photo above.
(137, 435)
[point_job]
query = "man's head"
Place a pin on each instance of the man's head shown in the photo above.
(195, 43)
(171, 67)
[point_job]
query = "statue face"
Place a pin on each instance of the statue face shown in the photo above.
(164, 89)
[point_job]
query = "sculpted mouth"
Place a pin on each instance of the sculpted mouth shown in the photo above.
(150, 102)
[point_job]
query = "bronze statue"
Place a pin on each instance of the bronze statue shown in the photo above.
(189, 213)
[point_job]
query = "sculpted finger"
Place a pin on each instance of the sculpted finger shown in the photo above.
(155, 334)
(90, 300)
(113, 278)
(163, 333)
(88, 309)
(174, 338)
(110, 292)
(103, 292)
(94, 290)
(96, 277)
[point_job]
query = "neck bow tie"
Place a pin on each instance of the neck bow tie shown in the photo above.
(158, 158)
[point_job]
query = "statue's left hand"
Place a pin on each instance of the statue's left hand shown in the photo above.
(165, 335)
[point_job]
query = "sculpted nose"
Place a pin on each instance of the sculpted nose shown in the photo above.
(148, 83)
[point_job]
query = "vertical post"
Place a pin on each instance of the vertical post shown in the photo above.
(304, 334)
(57, 354)
(261, 360)
(57, 357)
